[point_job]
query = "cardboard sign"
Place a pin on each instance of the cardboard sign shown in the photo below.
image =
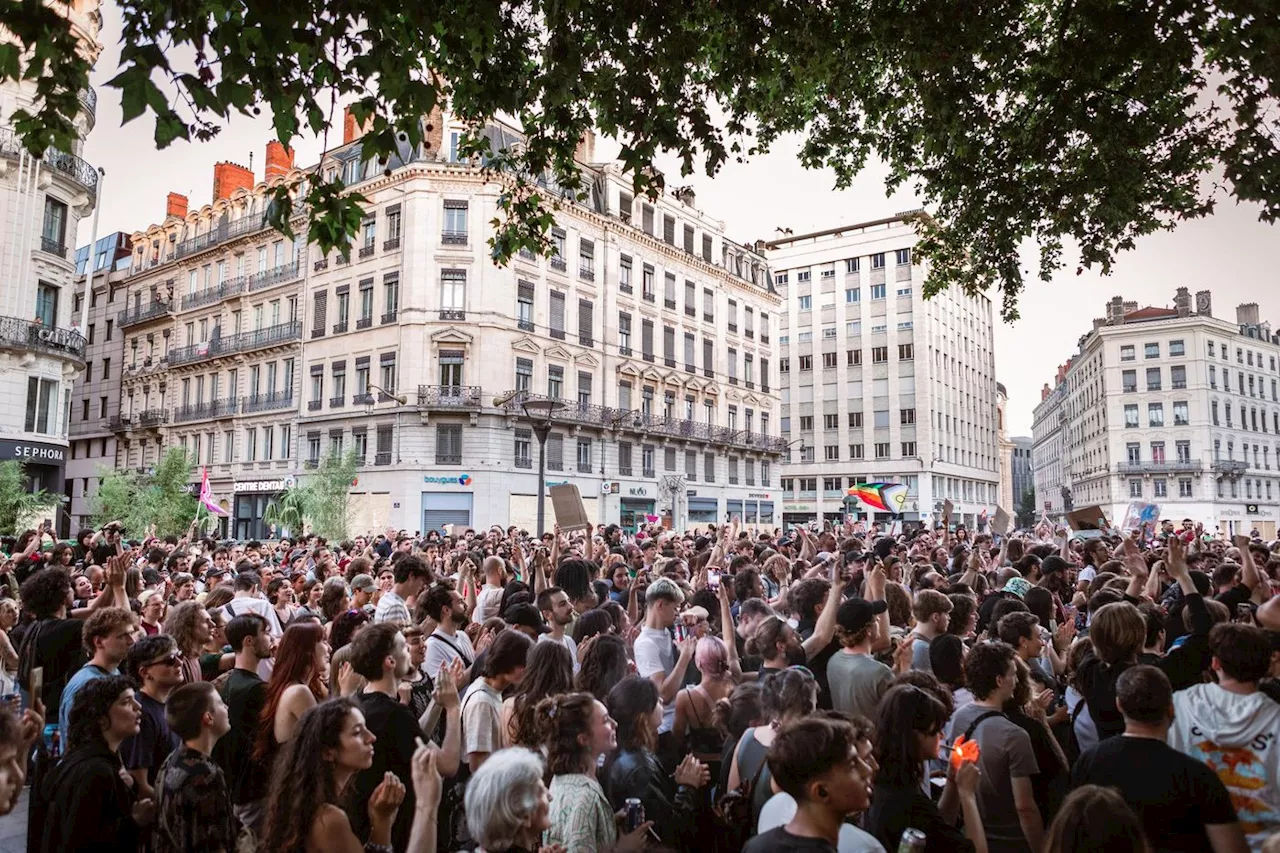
(1000, 522)
(946, 509)
(1087, 518)
(1140, 513)
(571, 513)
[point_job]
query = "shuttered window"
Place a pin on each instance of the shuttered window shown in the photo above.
(557, 315)
(319, 313)
(586, 322)
(669, 346)
(555, 452)
(688, 351)
(646, 339)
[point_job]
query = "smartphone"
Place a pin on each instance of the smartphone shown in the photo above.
(1244, 613)
(36, 687)
(713, 580)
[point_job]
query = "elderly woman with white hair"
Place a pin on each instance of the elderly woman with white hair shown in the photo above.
(507, 804)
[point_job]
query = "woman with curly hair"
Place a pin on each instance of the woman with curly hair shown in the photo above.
(305, 813)
(89, 806)
(604, 663)
(548, 672)
(191, 628)
(576, 730)
(297, 685)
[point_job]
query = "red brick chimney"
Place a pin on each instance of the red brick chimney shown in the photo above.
(176, 205)
(351, 129)
(229, 177)
(279, 160)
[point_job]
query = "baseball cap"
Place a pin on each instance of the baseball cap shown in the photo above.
(528, 616)
(1017, 586)
(363, 583)
(856, 613)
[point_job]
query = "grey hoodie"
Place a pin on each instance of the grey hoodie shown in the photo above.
(1238, 737)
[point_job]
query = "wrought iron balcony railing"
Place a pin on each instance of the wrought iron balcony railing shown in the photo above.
(21, 334)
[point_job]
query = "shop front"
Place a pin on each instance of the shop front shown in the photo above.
(637, 505)
(251, 498)
(798, 514)
(755, 511)
(45, 465)
(1248, 519)
(451, 502)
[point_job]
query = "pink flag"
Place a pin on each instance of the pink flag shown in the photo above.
(206, 495)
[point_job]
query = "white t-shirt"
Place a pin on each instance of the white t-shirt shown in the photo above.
(440, 652)
(654, 652)
(487, 602)
(568, 643)
(1086, 575)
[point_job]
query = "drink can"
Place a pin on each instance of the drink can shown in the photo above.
(635, 813)
(912, 841)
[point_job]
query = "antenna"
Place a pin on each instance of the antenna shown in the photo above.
(250, 161)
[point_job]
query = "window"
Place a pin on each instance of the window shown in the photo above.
(853, 357)
(1177, 348)
(455, 222)
(879, 355)
(624, 274)
(906, 352)
(851, 265)
(1181, 413)
(853, 295)
(881, 419)
(903, 256)
(1151, 350)
(524, 374)
(806, 423)
(877, 291)
(557, 315)
(647, 283)
(882, 449)
(1160, 487)
(624, 334)
(646, 340)
(830, 421)
(451, 362)
(784, 365)
(584, 455)
(586, 322)
(555, 382)
(1135, 488)
(908, 449)
(1133, 452)
(828, 359)
(877, 261)
(829, 333)
(42, 402)
(524, 306)
(855, 420)
(907, 416)
(1184, 487)
(1131, 416)
(53, 235)
(1157, 452)
(448, 444)
(387, 373)
(522, 454)
(391, 298)
(805, 303)
(831, 452)
(1129, 381)
(855, 451)
(806, 362)
(1183, 450)
(587, 259)
(47, 304)
(1126, 353)
(453, 292)
(1155, 414)
(804, 275)
(1153, 379)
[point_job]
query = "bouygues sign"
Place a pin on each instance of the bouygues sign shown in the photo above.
(455, 480)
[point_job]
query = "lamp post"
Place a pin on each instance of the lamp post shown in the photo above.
(538, 413)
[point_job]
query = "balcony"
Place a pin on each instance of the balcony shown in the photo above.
(317, 332)
(382, 459)
(626, 288)
(524, 462)
(53, 247)
(365, 399)
(205, 411)
(558, 334)
(89, 104)
(559, 265)
(17, 333)
(243, 342)
(450, 397)
(689, 368)
(647, 356)
(388, 318)
(322, 264)
(690, 311)
(390, 246)
(648, 297)
(314, 405)
(210, 295)
(448, 458)
(453, 238)
(1175, 467)
(266, 402)
(367, 251)
(340, 328)
(337, 402)
(586, 274)
(151, 418)
(452, 314)
(143, 313)
(1230, 467)
(364, 323)
(68, 165)
(764, 338)
(624, 470)
(668, 362)
(119, 423)
(250, 224)
(524, 325)
(669, 303)
(266, 278)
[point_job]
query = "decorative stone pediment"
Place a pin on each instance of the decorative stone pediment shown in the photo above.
(557, 351)
(526, 345)
(452, 335)
(586, 359)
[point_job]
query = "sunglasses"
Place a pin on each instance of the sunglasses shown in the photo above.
(172, 659)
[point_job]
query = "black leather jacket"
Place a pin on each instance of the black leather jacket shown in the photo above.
(638, 774)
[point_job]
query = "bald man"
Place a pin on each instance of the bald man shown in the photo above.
(490, 595)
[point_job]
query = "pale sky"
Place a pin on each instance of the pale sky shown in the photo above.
(1231, 253)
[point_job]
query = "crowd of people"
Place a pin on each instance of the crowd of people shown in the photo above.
(861, 687)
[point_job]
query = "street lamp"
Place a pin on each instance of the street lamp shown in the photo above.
(538, 413)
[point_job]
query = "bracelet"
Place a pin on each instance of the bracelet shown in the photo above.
(370, 847)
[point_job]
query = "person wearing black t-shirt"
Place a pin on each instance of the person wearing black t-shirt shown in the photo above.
(1182, 803)
(245, 695)
(380, 654)
(816, 761)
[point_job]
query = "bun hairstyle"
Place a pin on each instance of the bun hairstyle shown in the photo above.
(559, 720)
(764, 640)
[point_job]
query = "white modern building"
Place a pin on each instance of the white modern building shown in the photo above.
(648, 328)
(43, 200)
(1176, 407)
(879, 384)
(1008, 498)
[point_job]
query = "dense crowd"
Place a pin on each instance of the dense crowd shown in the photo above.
(856, 688)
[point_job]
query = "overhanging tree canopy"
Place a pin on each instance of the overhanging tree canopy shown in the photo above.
(1082, 121)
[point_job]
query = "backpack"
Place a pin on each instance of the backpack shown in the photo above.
(735, 811)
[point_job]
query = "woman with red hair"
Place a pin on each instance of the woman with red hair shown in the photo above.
(297, 685)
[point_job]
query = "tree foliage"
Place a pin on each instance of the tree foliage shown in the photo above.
(17, 504)
(1027, 513)
(1070, 123)
(161, 497)
(322, 500)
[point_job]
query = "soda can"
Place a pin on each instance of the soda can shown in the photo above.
(912, 841)
(635, 813)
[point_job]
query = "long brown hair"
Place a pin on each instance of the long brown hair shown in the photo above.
(548, 672)
(294, 664)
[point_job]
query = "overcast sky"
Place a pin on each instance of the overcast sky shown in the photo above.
(1231, 253)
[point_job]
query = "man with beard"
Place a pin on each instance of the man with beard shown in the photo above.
(448, 642)
(380, 654)
(557, 610)
(245, 694)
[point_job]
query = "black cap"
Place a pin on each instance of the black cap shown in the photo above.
(856, 613)
(527, 616)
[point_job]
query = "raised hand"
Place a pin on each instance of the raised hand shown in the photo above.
(386, 799)
(692, 772)
(446, 689)
(426, 775)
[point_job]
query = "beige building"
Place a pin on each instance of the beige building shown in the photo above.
(262, 356)
(1007, 497)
